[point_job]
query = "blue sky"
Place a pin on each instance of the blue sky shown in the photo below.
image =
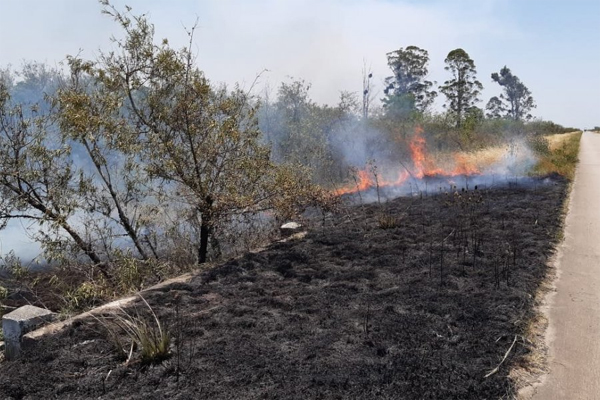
(553, 46)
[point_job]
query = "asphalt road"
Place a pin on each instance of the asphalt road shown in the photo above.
(574, 309)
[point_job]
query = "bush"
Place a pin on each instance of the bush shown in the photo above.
(86, 295)
(539, 145)
(3, 292)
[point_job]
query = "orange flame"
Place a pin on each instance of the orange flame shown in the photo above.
(423, 166)
(367, 180)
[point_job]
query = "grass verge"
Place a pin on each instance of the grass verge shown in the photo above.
(557, 155)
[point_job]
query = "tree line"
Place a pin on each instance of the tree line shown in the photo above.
(408, 89)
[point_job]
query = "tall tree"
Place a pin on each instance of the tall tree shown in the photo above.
(516, 99)
(408, 89)
(462, 91)
(62, 168)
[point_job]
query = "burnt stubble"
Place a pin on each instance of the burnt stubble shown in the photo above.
(422, 309)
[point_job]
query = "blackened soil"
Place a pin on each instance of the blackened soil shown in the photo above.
(421, 310)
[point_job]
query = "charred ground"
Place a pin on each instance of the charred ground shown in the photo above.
(419, 297)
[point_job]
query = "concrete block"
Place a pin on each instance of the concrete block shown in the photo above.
(18, 322)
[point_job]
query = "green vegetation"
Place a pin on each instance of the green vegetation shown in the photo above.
(560, 160)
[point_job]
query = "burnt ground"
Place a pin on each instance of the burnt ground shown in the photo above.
(422, 309)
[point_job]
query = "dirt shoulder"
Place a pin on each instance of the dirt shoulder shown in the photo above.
(426, 309)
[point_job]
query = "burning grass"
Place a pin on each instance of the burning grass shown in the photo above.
(514, 159)
(426, 307)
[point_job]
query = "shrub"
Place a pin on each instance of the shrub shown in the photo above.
(88, 294)
(539, 145)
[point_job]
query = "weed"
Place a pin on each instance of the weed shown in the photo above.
(376, 176)
(86, 295)
(150, 337)
(387, 221)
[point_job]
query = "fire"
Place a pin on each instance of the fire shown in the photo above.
(423, 166)
(464, 166)
(367, 180)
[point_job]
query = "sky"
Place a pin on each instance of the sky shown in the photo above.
(552, 46)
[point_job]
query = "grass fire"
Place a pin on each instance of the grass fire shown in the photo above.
(262, 245)
(423, 172)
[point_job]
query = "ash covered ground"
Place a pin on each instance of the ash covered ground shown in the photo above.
(416, 298)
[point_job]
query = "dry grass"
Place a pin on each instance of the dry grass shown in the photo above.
(149, 336)
(478, 160)
(485, 157)
(563, 156)
(563, 147)
(387, 221)
(557, 140)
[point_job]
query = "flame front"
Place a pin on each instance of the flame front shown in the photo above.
(423, 166)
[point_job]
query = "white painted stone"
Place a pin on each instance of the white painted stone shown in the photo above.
(18, 322)
(288, 229)
(291, 225)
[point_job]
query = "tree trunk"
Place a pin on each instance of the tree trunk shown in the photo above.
(85, 246)
(204, 234)
(124, 220)
(205, 212)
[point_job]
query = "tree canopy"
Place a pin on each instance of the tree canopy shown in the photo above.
(516, 102)
(408, 89)
(462, 91)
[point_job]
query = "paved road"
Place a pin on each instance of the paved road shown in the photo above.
(574, 310)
